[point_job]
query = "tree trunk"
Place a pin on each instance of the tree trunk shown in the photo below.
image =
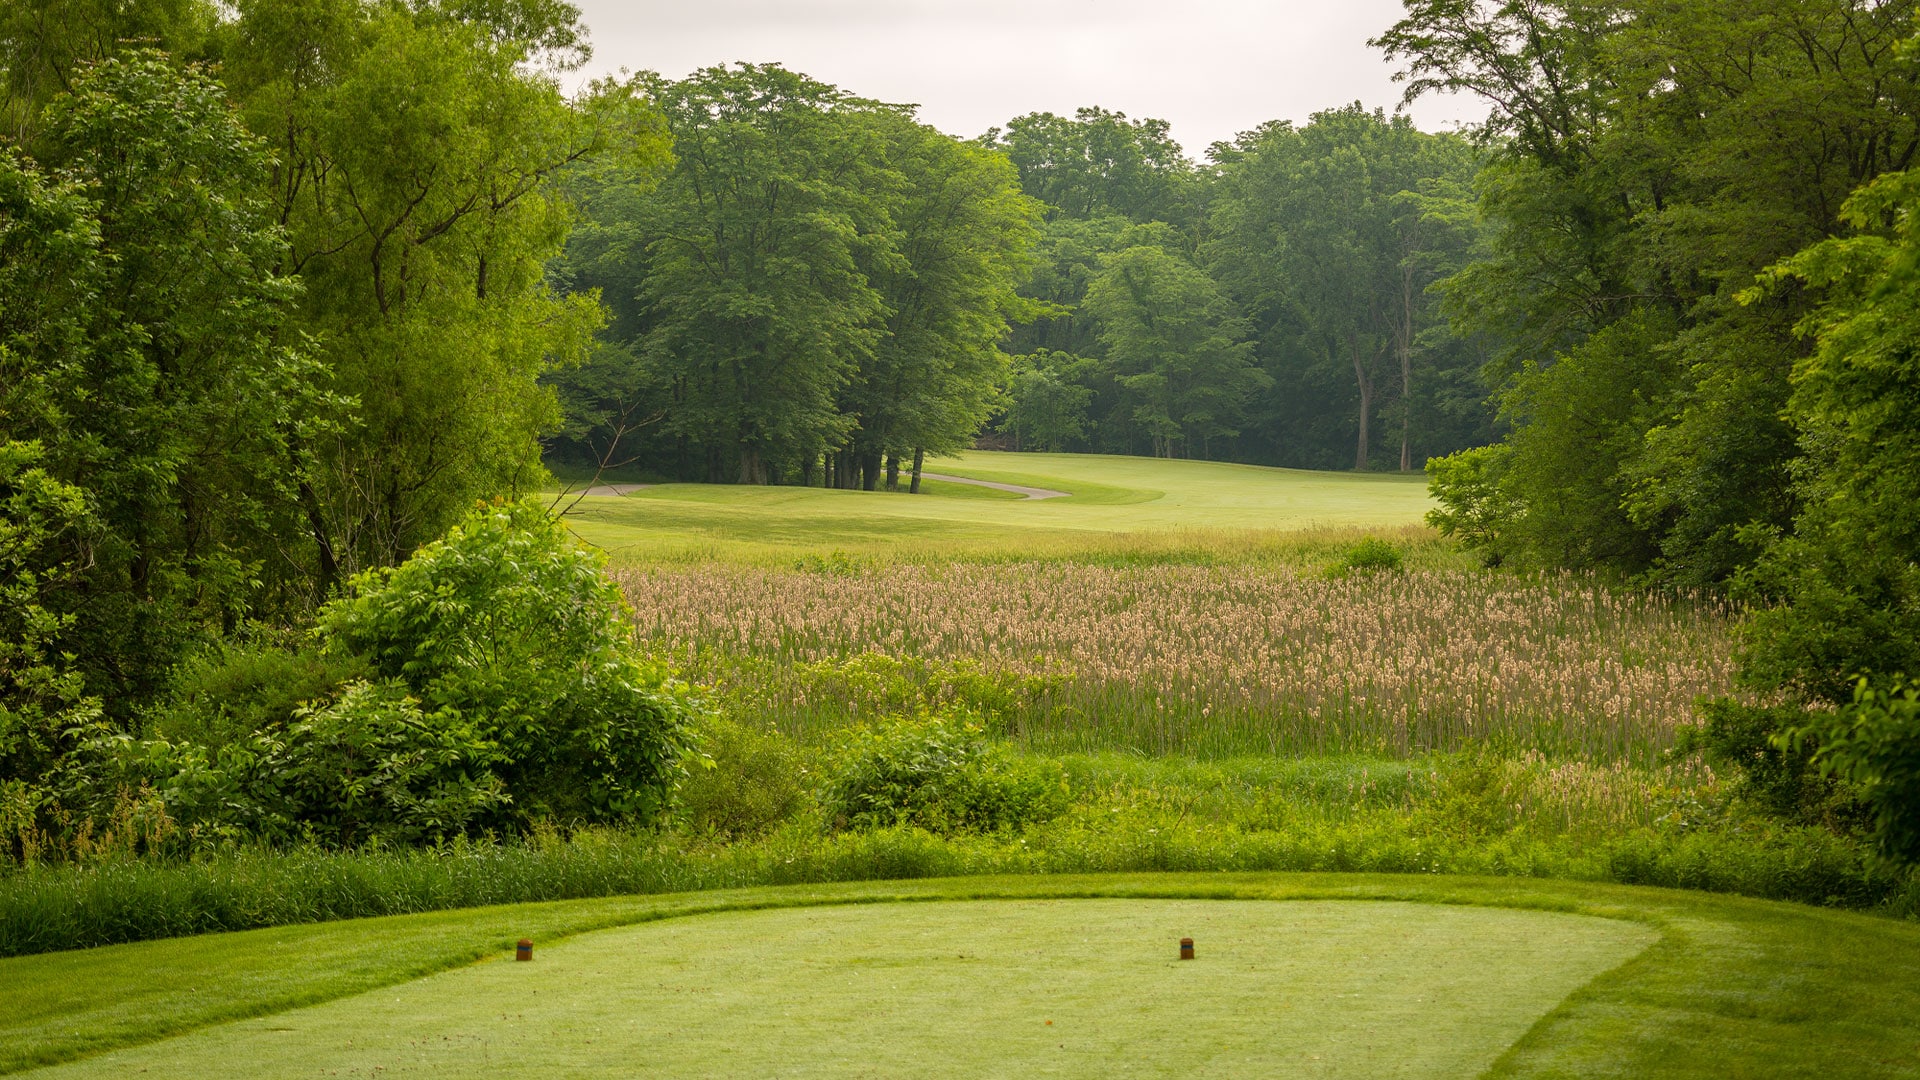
(1406, 370)
(806, 471)
(919, 455)
(1366, 408)
(753, 470)
(869, 471)
(893, 472)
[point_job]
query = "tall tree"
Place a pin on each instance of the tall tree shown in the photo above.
(819, 280)
(1101, 163)
(1176, 348)
(960, 231)
(415, 149)
(45, 44)
(1651, 157)
(142, 312)
(1330, 236)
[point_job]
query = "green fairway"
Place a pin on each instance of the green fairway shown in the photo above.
(1403, 976)
(1106, 496)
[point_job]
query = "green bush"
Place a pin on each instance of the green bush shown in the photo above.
(1370, 556)
(234, 689)
(745, 782)
(1775, 777)
(1476, 507)
(44, 530)
(1873, 743)
(368, 766)
(941, 774)
(510, 624)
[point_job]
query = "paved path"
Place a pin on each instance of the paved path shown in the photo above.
(614, 489)
(1029, 492)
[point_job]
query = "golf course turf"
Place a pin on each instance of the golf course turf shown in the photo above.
(1105, 496)
(1424, 976)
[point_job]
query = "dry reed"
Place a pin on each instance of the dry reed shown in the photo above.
(1220, 660)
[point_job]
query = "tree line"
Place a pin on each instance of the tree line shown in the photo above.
(818, 289)
(1697, 273)
(274, 310)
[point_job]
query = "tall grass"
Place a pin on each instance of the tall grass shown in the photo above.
(1494, 818)
(1212, 660)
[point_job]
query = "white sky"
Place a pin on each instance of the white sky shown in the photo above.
(1211, 68)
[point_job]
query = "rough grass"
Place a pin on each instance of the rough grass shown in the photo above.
(1731, 988)
(1524, 818)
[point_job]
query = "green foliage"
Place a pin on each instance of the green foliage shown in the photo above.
(743, 782)
(940, 773)
(142, 301)
(415, 148)
(1175, 348)
(1046, 404)
(1776, 776)
(1872, 743)
(44, 527)
(370, 766)
(508, 623)
(239, 687)
(1846, 582)
(1475, 507)
(1370, 556)
(1100, 163)
(366, 767)
(817, 273)
(1329, 236)
(1651, 159)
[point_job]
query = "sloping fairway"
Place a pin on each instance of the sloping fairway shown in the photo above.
(1106, 495)
(1060, 988)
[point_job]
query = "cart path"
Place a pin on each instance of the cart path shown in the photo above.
(615, 489)
(1029, 492)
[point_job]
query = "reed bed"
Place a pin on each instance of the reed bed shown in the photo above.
(1209, 661)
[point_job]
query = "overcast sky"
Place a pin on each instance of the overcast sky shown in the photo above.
(1211, 67)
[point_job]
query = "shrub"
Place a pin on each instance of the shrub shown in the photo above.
(237, 688)
(745, 782)
(1476, 507)
(368, 766)
(1873, 742)
(372, 767)
(508, 623)
(45, 527)
(1774, 776)
(941, 774)
(1370, 556)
